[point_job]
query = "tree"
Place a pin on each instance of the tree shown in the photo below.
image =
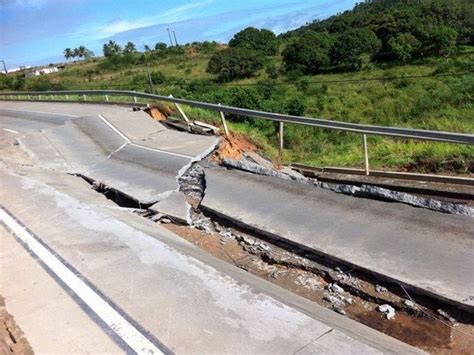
(309, 54)
(111, 49)
(235, 63)
(443, 40)
(404, 46)
(272, 71)
(262, 40)
(160, 46)
(130, 48)
(351, 45)
(68, 53)
(76, 53)
(146, 48)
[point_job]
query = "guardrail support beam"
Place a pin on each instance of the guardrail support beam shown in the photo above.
(280, 138)
(366, 155)
(224, 123)
(107, 98)
(84, 97)
(181, 112)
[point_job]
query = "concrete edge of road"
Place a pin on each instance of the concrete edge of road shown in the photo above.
(272, 236)
(358, 331)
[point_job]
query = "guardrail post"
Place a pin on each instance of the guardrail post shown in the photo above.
(181, 111)
(366, 155)
(29, 97)
(84, 97)
(107, 98)
(224, 123)
(67, 97)
(39, 97)
(280, 138)
(135, 99)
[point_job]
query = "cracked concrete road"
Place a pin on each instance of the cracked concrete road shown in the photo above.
(172, 296)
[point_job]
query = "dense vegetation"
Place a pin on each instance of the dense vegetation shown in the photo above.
(399, 63)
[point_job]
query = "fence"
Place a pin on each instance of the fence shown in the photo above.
(364, 130)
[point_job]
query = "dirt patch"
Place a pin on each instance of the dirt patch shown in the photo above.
(418, 326)
(12, 340)
(160, 112)
(233, 147)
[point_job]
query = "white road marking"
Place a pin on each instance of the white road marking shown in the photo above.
(114, 128)
(162, 151)
(10, 130)
(126, 331)
(47, 113)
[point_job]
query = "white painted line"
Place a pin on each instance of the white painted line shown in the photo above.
(47, 113)
(162, 151)
(10, 130)
(126, 331)
(114, 128)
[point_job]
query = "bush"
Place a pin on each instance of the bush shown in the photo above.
(235, 63)
(295, 106)
(272, 71)
(351, 45)
(308, 54)
(252, 38)
(404, 46)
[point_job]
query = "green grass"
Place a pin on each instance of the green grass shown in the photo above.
(435, 103)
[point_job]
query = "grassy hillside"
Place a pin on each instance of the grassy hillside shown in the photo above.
(429, 90)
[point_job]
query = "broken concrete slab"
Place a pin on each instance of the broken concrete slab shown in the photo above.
(173, 206)
(427, 251)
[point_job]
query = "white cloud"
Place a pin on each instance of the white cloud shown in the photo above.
(179, 13)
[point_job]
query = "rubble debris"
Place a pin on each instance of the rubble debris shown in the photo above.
(165, 220)
(192, 182)
(204, 223)
(445, 315)
(379, 288)
(388, 310)
(308, 281)
(335, 288)
(174, 206)
(409, 303)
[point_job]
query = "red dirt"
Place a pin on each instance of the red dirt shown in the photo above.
(160, 112)
(12, 340)
(233, 147)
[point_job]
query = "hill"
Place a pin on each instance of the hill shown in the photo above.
(431, 88)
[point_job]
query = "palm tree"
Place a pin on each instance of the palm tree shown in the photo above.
(68, 53)
(82, 51)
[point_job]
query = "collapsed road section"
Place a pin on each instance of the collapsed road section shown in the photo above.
(167, 290)
(127, 154)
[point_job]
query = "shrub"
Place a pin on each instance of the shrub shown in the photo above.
(351, 45)
(404, 46)
(295, 106)
(252, 38)
(308, 54)
(235, 63)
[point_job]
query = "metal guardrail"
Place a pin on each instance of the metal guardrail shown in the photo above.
(407, 133)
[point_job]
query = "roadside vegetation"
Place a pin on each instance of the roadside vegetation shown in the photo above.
(397, 63)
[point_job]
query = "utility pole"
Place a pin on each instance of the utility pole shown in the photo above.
(4, 66)
(169, 35)
(175, 41)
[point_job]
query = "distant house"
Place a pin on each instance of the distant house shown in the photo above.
(42, 71)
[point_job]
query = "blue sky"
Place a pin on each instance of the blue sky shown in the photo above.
(36, 32)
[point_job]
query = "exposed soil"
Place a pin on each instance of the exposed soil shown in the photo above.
(160, 112)
(233, 147)
(419, 326)
(12, 340)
